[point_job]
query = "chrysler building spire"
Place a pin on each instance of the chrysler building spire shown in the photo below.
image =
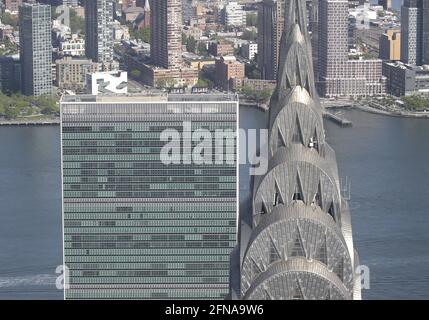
(301, 244)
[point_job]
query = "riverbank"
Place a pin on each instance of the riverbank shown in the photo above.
(31, 122)
(401, 114)
(366, 108)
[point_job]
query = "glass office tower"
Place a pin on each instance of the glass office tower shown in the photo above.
(134, 227)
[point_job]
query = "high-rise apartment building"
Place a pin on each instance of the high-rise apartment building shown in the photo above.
(314, 28)
(99, 32)
(35, 48)
(425, 32)
(270, 28)
(136, 227)
(412, 32)
(233, 14)
(415, 32)
(390, 45)
(166, 30)
(228, 70)
(387, 4)
(339, 76)
(333, 34)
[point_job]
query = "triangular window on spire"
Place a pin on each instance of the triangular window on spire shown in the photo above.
(298, 195)
(280, 139)
(307, 85)
(274, 254)
(278, 197)
(288, 85)
(297, 292)
(264, 209)
(318, 196)
(298, 72)
(314, 141)
(297, 133)
(331, 210)
(298, 247)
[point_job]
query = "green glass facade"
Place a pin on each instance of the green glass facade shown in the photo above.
(135, 228)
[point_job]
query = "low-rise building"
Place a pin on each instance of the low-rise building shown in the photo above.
(120, 32)
(71, 73)
(249, 50)
(221, 48)
(73, 46)
(174, 77)
(228, 71)
(130, 14)
(354, 78)
(405, 79)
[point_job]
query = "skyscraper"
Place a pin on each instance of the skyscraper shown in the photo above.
(412, 32)
(134, 226)
(36, 48)
(387, 4)
(333, 35)
(99, 32)
(166, 29)
(314, 26)
(300, 244)
(390, 45)
(339, 76)
(270, 28)
(425, 32)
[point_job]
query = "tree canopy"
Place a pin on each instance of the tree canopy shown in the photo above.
(416, 103)
(18, 105)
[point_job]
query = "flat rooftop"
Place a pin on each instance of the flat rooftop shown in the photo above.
(150, 96)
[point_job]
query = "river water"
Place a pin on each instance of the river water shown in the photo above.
(385, 158)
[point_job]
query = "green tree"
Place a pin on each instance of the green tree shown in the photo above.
(135, 74)
(191, 44)
(140, 34)
(46, 104)
(7, 18)
(77, 24)
(202, 83)
(249, 35)
(416, 103)
(146, 34)
(202, 49)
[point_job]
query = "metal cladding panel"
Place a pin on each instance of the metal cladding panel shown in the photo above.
(297, 279)
(278, 233)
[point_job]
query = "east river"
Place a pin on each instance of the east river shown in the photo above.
(386, 160)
